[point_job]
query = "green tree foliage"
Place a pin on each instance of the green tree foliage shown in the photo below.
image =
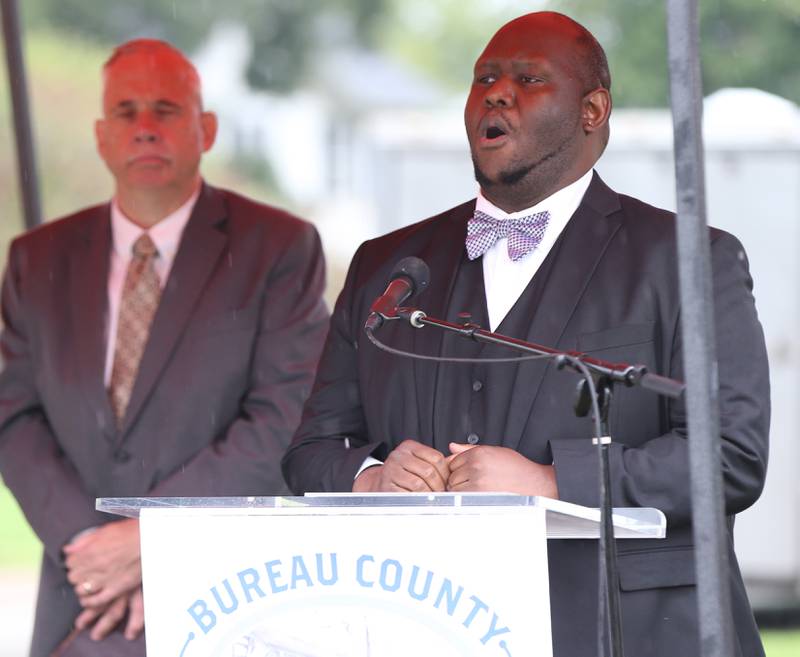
(285, 33)
(752, 43)
(744, 43)
(443, 38)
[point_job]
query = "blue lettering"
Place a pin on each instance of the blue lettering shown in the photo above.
(493, 631)
(222, 606)
(447, 592)
(411, 584)
(248, 579)
(300, 572)
(478, 605)
(398, 573)
(327, 581)
(360, 570)
(203, 616)
(273, 575)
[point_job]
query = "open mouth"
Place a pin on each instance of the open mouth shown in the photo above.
(493, 132)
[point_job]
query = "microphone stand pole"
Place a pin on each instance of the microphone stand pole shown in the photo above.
(595, 392)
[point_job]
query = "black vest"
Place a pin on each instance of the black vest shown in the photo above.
(472, 400)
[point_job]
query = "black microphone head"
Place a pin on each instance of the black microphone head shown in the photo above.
(415, 270)
(409, 277)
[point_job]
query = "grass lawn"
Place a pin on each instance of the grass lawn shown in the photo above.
(781, 643)
(18, 545)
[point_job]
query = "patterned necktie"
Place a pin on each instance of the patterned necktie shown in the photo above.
(524, 234)
(140, 295)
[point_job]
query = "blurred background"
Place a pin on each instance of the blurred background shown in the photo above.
(349, 113)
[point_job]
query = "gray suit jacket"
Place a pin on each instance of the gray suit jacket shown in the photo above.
(613, 292)
(229, 361)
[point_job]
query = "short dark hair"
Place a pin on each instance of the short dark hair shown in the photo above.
(593, 64)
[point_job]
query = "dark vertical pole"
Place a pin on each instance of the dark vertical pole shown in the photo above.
(609, 573)
(699, 348)
(26, 161)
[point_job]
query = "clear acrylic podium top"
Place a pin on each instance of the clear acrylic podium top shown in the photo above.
(564, 520)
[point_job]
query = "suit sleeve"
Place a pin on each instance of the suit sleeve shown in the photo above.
(331, 443)
(44, 482)
(292, 327)
(655, 473)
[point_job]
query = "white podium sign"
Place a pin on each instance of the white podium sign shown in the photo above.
(367, 585)
(439, 575)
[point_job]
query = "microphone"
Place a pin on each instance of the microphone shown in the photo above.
(410, 276)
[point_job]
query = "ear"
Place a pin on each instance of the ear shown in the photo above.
(208, 125)
(596, 110)
(101, 136)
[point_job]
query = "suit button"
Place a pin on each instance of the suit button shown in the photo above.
(121, 456)
(473, 439)
(477, 385)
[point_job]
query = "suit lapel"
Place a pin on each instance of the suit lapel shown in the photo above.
(585, 241)
(89, 294)
(202, 243)
(443, 254)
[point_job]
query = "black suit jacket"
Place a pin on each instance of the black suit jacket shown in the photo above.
(612, 292)
(229, 361)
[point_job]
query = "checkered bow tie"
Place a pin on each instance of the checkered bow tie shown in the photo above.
(524, 234)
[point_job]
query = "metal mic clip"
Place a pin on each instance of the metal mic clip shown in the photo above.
(413, 315)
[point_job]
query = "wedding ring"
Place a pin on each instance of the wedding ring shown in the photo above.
(87, 586)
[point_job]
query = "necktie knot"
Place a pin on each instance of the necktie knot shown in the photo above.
(144, 247)
(524, 234)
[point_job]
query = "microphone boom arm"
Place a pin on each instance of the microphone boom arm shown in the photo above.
(630, 375)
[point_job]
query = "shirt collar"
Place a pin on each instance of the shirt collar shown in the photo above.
(561, 205)
(166, 234)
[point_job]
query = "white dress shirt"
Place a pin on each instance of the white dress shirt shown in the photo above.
(504, 279)
(166, 235)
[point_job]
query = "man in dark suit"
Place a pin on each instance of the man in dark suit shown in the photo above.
(553, 256)
(159, 345)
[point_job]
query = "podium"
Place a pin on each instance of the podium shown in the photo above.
(353, 575)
